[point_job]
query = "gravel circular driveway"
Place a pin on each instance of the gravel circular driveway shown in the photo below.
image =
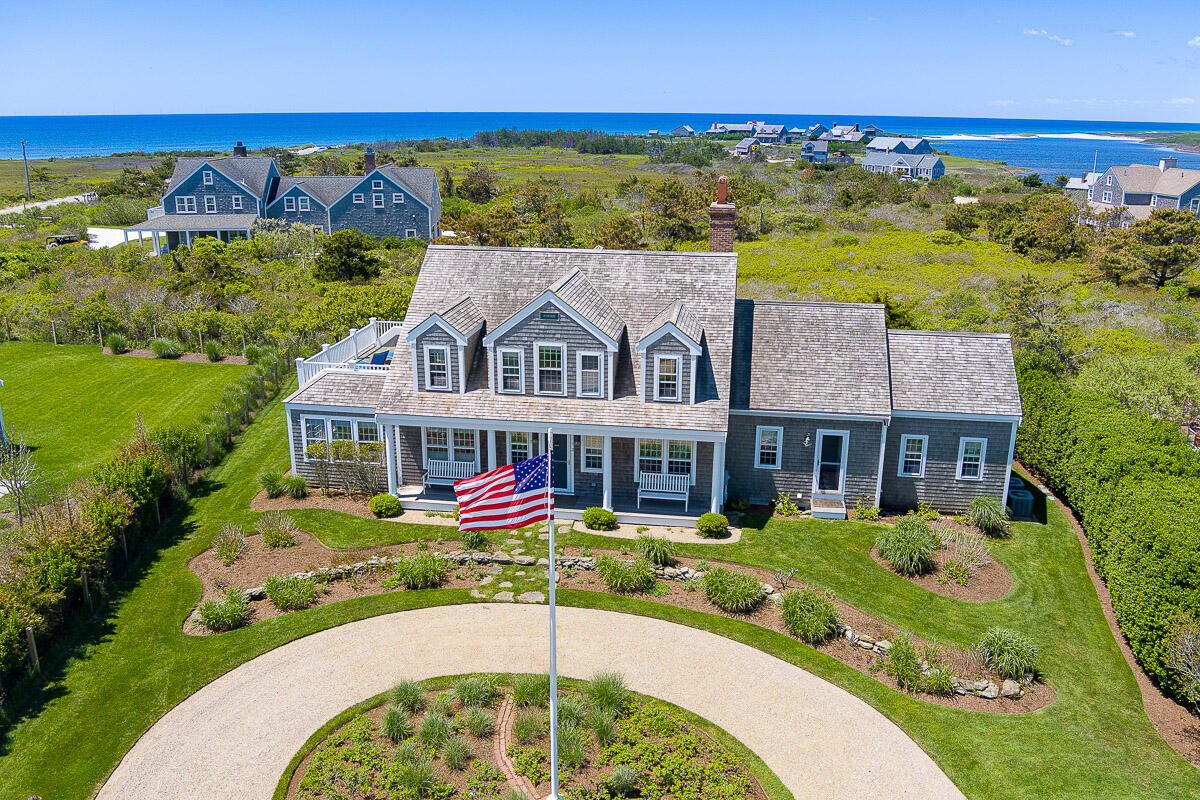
(234, 737)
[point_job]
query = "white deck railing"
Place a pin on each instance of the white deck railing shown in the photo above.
(443, 471)
(344, 354)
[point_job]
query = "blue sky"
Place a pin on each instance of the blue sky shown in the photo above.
(1063, 60)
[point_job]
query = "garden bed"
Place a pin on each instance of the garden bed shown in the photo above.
(990, 582)
(191, 358)
(354, 504)
(961, 565)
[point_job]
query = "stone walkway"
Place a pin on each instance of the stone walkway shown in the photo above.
(234, 737)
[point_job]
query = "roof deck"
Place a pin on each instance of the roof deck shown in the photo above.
(367, 349)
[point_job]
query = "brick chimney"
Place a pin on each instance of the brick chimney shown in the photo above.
(369, 161)
(239, 149)
(721, 216)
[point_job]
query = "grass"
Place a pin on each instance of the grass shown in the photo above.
(516, 166)
(50, 396)
(67, 176)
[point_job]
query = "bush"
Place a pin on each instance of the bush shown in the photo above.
(1009, 653)
(290, 593)
(415, 778)
(456, 753)
(625, 576)
(527, 725)
(845, 240)
(230, 612)
(434, 730)
(945, 237)
(276, 529)
(396, 725)
(607, 692)
(866, 511)
(624, 781)
(474, 692)
(385, 505)
(603, 725)
(599, 519)
(420, 571)
(212, 351)
(166, 348)
(712, 526)
(656, 549)
(531, 690)
(903, 664)
(229, 543)
(271, 482)
(987, 514)
(809, 615)
(572, 745)
(908, 546)
(938, 680)
(295, 486)
(116, 343)
(571, 710)
(409, 696)
(731, 591)
(478, 722)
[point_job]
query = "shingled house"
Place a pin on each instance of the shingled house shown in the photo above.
(667, 395)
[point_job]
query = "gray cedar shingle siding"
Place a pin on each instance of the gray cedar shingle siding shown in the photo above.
(668, 345)
(532, 330)
(940, 487)
(223, 189)
(316, 214)
(437, 337)
(306, 468)
(393, 219)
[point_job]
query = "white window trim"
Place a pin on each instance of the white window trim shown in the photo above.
(962, 447)
(1108, 181)
(303, 204)
(207, 177)
(583, 454)
(236, 202)
(289, 204)
(1106, 197)
(377, 200)
(185, 204)
(210, 204)
(358, 197)
(327, 427)
(599, 373)
(450, 448)
(537, 367)
(529, 444)
(678, 398)
(1154, 201)
(410, 233)
(1194, 204)
(904, 439)
(376, 185)
(841, 490)
(397, 197)
(664, 457)
(358, 423)
(520, 351)
(429, 387)
(758, 432)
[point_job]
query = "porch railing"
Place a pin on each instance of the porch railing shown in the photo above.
(443, 471)
(343, 355)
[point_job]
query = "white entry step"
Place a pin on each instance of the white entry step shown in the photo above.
(828, 508)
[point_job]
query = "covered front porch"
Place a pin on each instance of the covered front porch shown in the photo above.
(169, 231)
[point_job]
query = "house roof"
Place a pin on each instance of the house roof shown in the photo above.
(795, 130)
(1084, 182)
(1147, 179)
(678, 314)
(811, 357)
(816, 147)
(770, 130)
(501, 281)
(687, 128)
(421, 181)
(342, 389)
(196, 222)
(326, 188)
(953, 373)
(892, 142)
(746, 143)
(911, 160)
(463, 315)
(250, 172)
(581, 294)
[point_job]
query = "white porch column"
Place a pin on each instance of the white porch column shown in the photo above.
(189, 238)
(126, 233)
(491, 449)
(607, 502)
(718, 477)
(389, 446)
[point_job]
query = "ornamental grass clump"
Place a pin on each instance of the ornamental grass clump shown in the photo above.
(474, 692)
(276, 529)
(571, 710)
(809, 615)
(903, 664)
(626, 576)
(166, 348)
(531, 690)
(527, 725)
(908, 546)
(229, 543)
(117, 343)
(987, 514)
(572, 744)
(478, 722)
(212, 351)
(271, 482)
(434, 730)
(416, 779)
(420, 571)
(396, 725)
(290, 593)
(603, 726)
(731, 591)
(226, 613)
(295, 486)
(409, 696)
(456, 753)
(607, 692)
(1009, 653)
(475, 540)
(624, 781)
(656, 549)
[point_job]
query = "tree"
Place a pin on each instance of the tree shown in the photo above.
(1155, 250)
(674, 208)
(619, 232)
(347, 255)
(446, 178)
(19, 473)
(1048, 227)
(1184, 657)
(1162, 384)
(496, 227)
(961, 219)
(479, 183)
(1037, 320)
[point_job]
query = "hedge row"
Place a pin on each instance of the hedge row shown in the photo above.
(1135, 483)
(100, 521)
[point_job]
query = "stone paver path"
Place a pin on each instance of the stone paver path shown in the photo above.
(234, 737)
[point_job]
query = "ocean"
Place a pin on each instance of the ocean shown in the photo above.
(1049, 147)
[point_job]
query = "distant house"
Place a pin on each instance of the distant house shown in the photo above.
(897, 144)
(683, 130)
(917, 166)
(874, 130)
(224, 197)
(1142, 188)
(728, 128)
(843, 133)
(816, 130)
(1081, 187)
(792, 135)
(746, 146)
(652, 132)
(769, 134)
(816, 152)
(839, 157)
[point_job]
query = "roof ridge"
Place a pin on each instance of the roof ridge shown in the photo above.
(831, 303)
(581, 251)
(961, 334)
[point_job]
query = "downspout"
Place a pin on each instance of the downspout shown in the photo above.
(879, 475)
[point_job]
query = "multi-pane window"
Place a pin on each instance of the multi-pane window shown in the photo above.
(593, 454)
(185, 205)
(314, 431)
(377, 200)
(208, 177)
(398, 197)
(437, 368)
(376, 184)
(210, 204)
(666, 378)
(589, 374)
(302, 204)
(511, 379)
(358, 197)
(550, 369)
(970, 459)
(671, 456)
(679, 458)
(650, 455)
(410, 233)
(912, 456)
(464, 445)
(770, 441)
(443, 444)
(368, 432)
(518, 447)
(289, 204)
(341, 430)
(1106, 197)
(236, 200)
(437, 444)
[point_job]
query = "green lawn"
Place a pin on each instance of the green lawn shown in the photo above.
(65, 176)
(128, 668)
(76, 405)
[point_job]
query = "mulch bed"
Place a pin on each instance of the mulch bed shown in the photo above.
(990, 582)
(191, 358)
(347, 504)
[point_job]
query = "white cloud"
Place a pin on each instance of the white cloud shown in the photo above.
(1126, 34)
(1053, 36)
(1002, 102)
(1181, 101)
(1194, 41)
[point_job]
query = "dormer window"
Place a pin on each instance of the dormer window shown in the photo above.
(588, 377)
(437, 368)
(208, 177)
(666, 378)
(512, 371)
(551, 377)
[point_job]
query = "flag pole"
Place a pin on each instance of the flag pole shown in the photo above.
(553, 640)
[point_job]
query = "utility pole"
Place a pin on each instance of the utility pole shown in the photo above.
(28, 191)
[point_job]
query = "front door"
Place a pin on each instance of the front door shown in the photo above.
(830, 471)
(560, 466)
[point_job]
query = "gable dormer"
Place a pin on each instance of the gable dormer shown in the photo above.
(561, 343)
(670, 352)
(444, 345)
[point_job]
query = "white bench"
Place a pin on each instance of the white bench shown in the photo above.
(662, 486)
(447, 472)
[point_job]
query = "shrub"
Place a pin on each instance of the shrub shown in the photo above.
(474, 692)
(571, 710)
(656, 549)
(415, 778)
(420, 571)
(212, 351)
(295, 486)
(809, 615)
(456, 753)
(227, 613)
(599, 519)
(987, 514)
(434, 730)
(624, 781)
(527, 725)
(607, 692)
(166, 348)
(945, 237)
(903, 664)
(396, 725)
(409, 696)
(731, 591)
(475, 540)
(116, 343)
(908, 546)
(276, 529)
(572, 745)
(1009, 653)
(290, 593)
(625, 576)
(229, 543)
(955, 570)
(866, 511)
(385, 505)
(478, 722)
(271, 482)
(712, 526)
(531, 690)
(784, 505)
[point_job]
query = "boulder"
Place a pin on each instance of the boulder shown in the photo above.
(1010, 689)
(525, 561)
(501, 558)
(503, 597)
(990, 692)
(531, 597)
(884, 644)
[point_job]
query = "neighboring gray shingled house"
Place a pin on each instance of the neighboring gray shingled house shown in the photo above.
(1139, 189)
(224, 197)
(918, 166)
(900, 144)
(666, 394)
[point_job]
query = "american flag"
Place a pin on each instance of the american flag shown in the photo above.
(511, 496)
